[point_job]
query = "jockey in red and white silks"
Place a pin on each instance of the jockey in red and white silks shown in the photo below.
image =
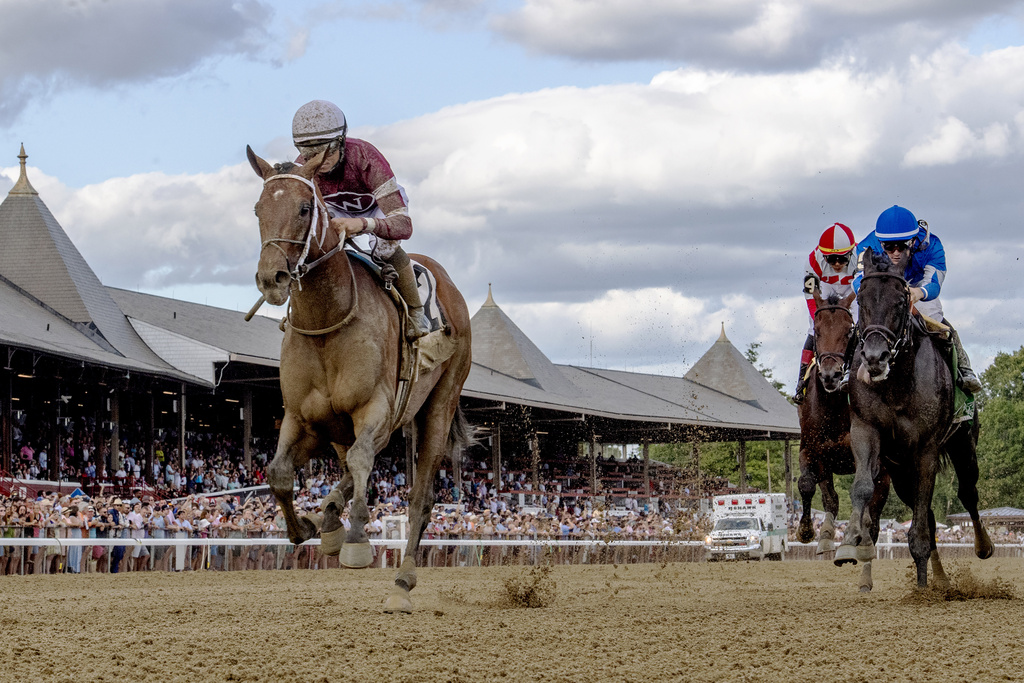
(830, 268)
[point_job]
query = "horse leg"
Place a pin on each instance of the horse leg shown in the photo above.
(865, 444)
(875, 507)
(939, 579)
(293, 450)
(371, 436)
(830, 501)
(434, 432)
(921, 536)
(962, 449)
(332, 531)
(806, 485)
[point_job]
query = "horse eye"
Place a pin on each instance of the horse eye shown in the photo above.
(304, 211)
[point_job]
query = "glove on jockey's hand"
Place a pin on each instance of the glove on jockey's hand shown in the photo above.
(348, 227)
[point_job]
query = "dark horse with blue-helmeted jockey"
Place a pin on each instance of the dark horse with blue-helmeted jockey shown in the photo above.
(902, 419)
(825, 425)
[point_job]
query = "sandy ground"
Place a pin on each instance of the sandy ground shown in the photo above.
(792, 621)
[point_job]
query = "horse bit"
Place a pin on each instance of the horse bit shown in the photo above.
(893, 342)
(320, 218)
(824, 355)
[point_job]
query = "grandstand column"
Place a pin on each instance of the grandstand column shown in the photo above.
(8, 432)
(181, 429)
(115, 430)
(741, 458)
(787, 466)
(496, 454)
(147, 458)
(247, 428)
(593, 466)
(535, 458)
(647, 469)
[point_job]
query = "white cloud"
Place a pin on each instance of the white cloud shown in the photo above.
(48, 46)
(748, 34)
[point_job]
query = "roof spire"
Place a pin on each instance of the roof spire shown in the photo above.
(490, 299)
(722, 336)
(23, 186)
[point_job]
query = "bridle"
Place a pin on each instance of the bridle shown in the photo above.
(824, 355)
(894, 341)
(319, 221)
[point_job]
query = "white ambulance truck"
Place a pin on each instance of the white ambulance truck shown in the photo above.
(747, 526)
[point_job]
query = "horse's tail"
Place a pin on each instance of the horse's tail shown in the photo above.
(461, 435)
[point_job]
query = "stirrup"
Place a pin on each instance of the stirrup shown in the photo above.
(844, 383)
(417, 324)
(969, 382)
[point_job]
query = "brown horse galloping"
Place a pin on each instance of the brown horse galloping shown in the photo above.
(340, 369)
(825, 428)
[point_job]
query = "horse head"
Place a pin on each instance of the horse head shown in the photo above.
(833, 328)
(292, 218)
(884, 304)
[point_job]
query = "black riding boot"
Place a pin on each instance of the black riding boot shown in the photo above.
(968, 381)
(418, 325)
(801, 382)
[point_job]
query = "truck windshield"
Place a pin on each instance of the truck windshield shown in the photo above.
(739, 524)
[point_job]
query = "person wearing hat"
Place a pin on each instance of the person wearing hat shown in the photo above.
(913, 248)
(362, 195)
(830, 269)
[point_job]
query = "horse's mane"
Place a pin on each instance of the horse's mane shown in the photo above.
(881, 262)
(285, 167)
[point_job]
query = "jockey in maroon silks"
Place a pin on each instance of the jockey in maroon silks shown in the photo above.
(831, 268)
(362, 195)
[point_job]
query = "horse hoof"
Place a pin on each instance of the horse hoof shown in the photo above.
(865, 589)
(331, 542)
(398, 602)
(826, 545)
(866, 553)
(846, 554)
(356, 555)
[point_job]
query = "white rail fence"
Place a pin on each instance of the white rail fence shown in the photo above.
(211, 553)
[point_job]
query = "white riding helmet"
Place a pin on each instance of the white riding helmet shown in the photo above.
(318, 122)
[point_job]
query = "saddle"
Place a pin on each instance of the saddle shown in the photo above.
(425, 353)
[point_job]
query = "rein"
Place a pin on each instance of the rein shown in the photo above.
(841, 357)
(894, 341)
(319, 219)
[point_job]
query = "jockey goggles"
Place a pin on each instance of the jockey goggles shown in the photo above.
(836, 259)
(891, 247)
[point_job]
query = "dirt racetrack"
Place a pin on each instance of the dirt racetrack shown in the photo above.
(779, 621)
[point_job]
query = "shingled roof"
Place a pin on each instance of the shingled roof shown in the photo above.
(722, 390)
(47, 284)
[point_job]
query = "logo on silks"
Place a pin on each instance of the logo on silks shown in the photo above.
(351, 203)
(427, 284)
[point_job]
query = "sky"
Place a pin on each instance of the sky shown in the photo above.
(626, 176)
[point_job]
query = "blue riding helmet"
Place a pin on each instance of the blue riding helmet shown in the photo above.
(896, 224)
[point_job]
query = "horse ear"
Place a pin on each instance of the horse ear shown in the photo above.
(309, 169)
(261, 167)
(816, 293)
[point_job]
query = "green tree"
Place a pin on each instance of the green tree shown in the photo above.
(1001, 440)
(753, 355)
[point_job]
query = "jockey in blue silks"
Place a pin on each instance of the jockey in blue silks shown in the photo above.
(910, 245)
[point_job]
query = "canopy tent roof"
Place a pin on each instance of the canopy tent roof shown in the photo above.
(1000, 515)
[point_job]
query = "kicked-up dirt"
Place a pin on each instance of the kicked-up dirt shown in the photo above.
(765, 622)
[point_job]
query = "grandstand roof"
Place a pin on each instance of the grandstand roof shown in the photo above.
(52, 301)
(723, 390)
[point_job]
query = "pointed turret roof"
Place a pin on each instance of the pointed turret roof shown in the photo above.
(726, 370)
(501, 346)
(39, 261)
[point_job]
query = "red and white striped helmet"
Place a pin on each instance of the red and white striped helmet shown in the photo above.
(837, 239)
